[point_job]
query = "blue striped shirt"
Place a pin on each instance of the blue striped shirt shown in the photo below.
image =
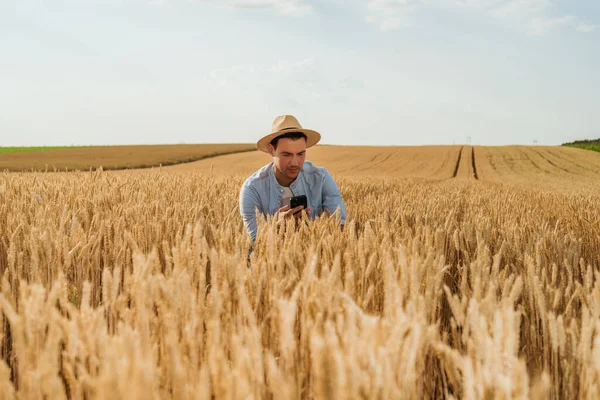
(262, 191)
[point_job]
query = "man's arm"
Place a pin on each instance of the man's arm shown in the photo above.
(249, 202)
(332, 198)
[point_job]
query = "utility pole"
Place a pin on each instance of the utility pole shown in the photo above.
(469, 140)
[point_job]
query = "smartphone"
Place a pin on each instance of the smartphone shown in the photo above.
(299, 201)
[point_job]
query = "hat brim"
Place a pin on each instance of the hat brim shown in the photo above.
(312, 138)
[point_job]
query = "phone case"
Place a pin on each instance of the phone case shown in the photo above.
(299, 200)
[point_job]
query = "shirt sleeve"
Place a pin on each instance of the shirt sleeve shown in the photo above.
(249, 202)
(332, 198)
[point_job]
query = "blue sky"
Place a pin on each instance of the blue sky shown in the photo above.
(380, 72)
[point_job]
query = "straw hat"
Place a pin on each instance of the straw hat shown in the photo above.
(286, 124)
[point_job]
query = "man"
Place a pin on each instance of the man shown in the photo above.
(270, 188)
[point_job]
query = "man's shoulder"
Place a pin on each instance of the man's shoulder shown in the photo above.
(311, 169)
(259, 176)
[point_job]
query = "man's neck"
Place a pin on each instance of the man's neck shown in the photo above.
(281, 178)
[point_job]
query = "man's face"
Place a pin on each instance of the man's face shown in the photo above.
(289, 156)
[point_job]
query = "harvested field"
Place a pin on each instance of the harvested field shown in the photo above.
(114, 157)
(562, 168)
(436, 162)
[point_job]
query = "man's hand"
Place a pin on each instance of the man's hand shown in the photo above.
(285, 213)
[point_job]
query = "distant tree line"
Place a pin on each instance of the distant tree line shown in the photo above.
(588, 142)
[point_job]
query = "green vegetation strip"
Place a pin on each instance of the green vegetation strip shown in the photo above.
(29, 149)
(593, 144)
(585, 146)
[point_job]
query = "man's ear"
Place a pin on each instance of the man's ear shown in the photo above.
(271, 150)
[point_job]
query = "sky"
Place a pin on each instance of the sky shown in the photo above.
(361, 72)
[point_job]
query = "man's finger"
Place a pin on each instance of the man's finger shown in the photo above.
(284, 208)
(294, 210)
(300, 214)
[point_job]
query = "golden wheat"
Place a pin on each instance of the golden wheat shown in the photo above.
(136, 286)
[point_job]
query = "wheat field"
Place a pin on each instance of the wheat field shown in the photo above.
(44, 159)
(463, 272)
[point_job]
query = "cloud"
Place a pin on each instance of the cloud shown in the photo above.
(288, 68)
(392, 24)
(519, 8)
(303, 73)
(392, 14)
(586, 28)
(289, 81)
(534, 16)
(540, 26)
(350, 83)
(294, 8)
